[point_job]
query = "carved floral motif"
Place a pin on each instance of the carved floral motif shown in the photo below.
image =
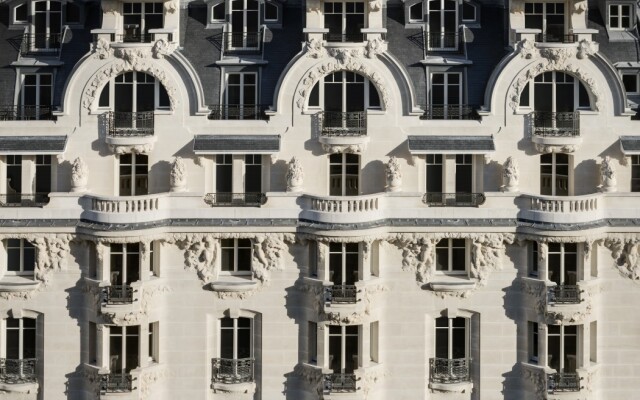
(314, 48)
(374, 47)
(510, 175)
(538, 379)
(51, 255)
(148, 378)
(103, 49)
(79, 175)
(626, 253)
(162, 48)
(171, 6)
(295, 175)
(344, 148)
(608, 175)
(178, 175)
(393, 174)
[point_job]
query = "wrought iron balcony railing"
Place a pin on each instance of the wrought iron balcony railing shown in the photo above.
(226, 370)
(118, 294)
(453, 199)
(339, 383)
(343, 294)
(565, 294)
(130, 124)
(448, 41)
(563, 382)
(18, 371)
(237, 111)
(336, 123)
(343, 37)
(235, 199)
(555, 124)
(451, 111)
(445, 370)
(41, 43)
(551, 38)
(24, 200)
(242, 41)
(26, 113)
(116, 382)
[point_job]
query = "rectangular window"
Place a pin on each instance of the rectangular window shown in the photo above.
(125, 263)
(43, 173)
(446, 95)
(270, 12)
(464, 174)
(21, 256)
(620, 16)
(452, 340)
(562, 264)
(562, 347)
(548, 17)
(374, 342)
(20, 342)
(21, 13)
(344, 171)
(241, 96)
(236, 341)
(554, 174)
(416, 13)
(533, 260)
(252, 174)
(134, 174)
(344, 261)
(124, 345)
(313, 342)
(468, 12)
(451, 256)
(630, 82)
(635, 173)
(36, 96)
(93, 335)
(533, 342)
(219, 12)
(343, 348)
(344, 20)
(236, 256)
(434, 174)
(224, 173)
(14, 179)
(139, 18)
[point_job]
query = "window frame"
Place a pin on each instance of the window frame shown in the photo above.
(422, 9)
(38, 86)
(143, 14)
(21, 333)
(124, 255)
(233, 270)
(619, 7)
(446, 86)
(636, 90)
(111, 87)
(123, 346)
(20, 249)
(563, 335)
(563, 253)
(242, 85)
(344, 175)
(343, 268)
(530, 90)
(475, 12)
(264, 12)
(450, 329)
(533, 335)
(235, 328)
(450, 249)
(368, 85)
(343, 345)
(134, 174)
(554, 175)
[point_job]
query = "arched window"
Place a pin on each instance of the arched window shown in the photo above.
(556, 91)
(344, 91)
(134, 92)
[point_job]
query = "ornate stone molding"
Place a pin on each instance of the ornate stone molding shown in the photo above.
(375, 5)
(554, 59)
(178, 175)
(418, 255)
(162, 48)
(136, 317)
(17, 295)
(311, 376)
(102, 49)
(537, 290)
(393, 175)
(130, 59)
(148, 377)
(110, 6)
(555, 148)
(79, 175)
(268, 255)
(538, 379)
(91, 375)
(626, 253)
(349, 59)
(344, 148)
(510, 175)
(314, 48)
(200, 256)
(374, 47)
(295, 175)
(371, 377)
(51, 256)
(486, 255)
(171, 6)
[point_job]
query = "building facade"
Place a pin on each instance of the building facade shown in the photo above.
(339, 200)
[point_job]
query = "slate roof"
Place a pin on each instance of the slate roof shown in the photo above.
(614, 51)
(451, 144)
(630, 144)
(32, 144)
(228, 144)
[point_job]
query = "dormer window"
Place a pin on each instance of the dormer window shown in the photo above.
(549, 18)
(139, 18)
(620, 16)
(270, 12)
(219, 12)
(469, 12)
(344, 20)
(416, 13)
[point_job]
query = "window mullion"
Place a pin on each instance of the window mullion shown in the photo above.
(235, 338)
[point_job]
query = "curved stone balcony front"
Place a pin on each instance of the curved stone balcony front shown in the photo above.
(561, 209)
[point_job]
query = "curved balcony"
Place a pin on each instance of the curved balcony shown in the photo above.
(130, 124)
(555, 131)
(450, 375)
(235, 199)
(565, 294)
(341, 294)
(118, 294)
(552, 209)
(339, 383)
(454, 199)
(24, 200)
(116, 383)
(343, 209)
(343, 131)
(18, 371)
(559, 382)
(232, 371)
(116, 209)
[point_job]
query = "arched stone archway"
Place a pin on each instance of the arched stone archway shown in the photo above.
(126, 60)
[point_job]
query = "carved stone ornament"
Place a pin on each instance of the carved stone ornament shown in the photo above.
(418, 253)
(374, 47)
(527, 48)
(537, 290)
(128, 59)
(51, 255)
(510, 175)
(91, 375)
(580, 6)
(538, 379)
(517, 7)
(200, 255)
(608, 175)
(314, 6)
(314, 48)
(178, 175)
(393, 174)
(359, 316)
(555, 148)
(79, 175)
(342, 59)
(171, 6)
(311, 376)
(295, 175)
(626, 253)
(102, 49)
(110, 6)
(137, 316)
(554, 59)
(268, 254)
(133, 148)
(371, 377)
(148, 378)
(586, 48)
(344, 148)
(162, 48)
(375, 5)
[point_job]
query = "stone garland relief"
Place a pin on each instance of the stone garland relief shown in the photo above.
(268, 250)
(554, 59)
(418, 253)
(126, 60)
(342, 59)
(626, 253)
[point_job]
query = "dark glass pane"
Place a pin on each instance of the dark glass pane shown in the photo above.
(244, 343)
(442, 343)
(415, 12)
(244, 259)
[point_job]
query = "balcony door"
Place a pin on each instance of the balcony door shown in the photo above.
(252, 174)
(20, 342)
(235, 338)
(343, 348)
(125, 263)
(563, 263)
(245, 21)
(548, 17)
(134, 174)
(344, 20)
(446, 95)
(241, 96)
(344, 174)
(343, 263)
(443, 24)
(554, 174)
(124, 349)
(452, 340)
(47, 24)
(35, 97)
(562, 345)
